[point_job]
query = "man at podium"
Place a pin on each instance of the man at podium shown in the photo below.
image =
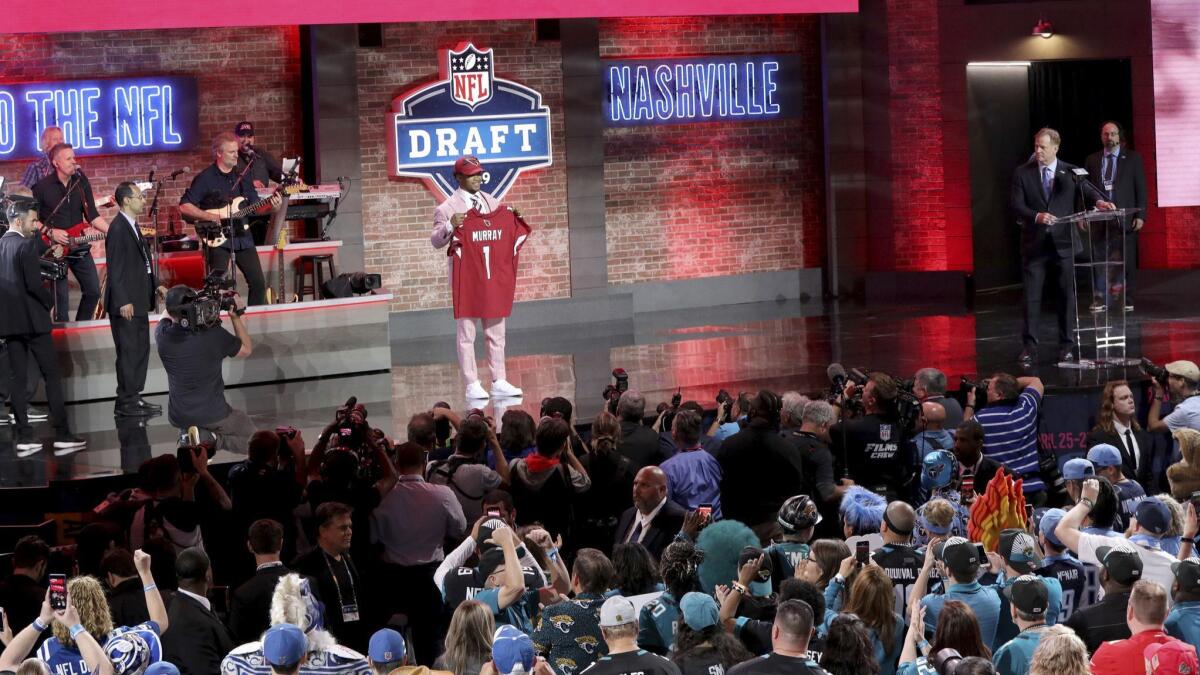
(1118, 171)
(1045, 189)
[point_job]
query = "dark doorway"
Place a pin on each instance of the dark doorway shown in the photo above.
(1006, 103)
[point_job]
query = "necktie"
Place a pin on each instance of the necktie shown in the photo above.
(1047, 181)
(1129, 447)
(636, 534)
(478, 204)
(1109, 163)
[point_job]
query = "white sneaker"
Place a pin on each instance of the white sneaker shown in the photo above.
(27, 448)
(475, 391)
(503, 388)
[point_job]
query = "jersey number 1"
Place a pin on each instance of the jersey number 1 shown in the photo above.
(487, 260)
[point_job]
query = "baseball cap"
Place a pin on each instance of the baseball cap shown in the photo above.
(284, 645)
(386, 646)
(617, 611)
(753, 553)
(1078, 469)
(162, 668)
(1171, 658)
(1019, 549)
(468, 166)
(512, 651)
(1028, 594)
(486, 529)
(1104, 455)
(1187, 573)
(489, 560)
(244, 129)
(1185, 369)
(132, 650)
(699, 610)
(1050, 520)
(958, 554)
(1123, 563)
(1153, 515)
(179, 295)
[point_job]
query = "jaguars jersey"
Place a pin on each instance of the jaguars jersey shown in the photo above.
(466, 582)
(786, 557)
(656, 624)
(568, 634)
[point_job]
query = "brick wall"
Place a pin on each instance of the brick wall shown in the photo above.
(241, 74)
(701, 200)
(398, 213)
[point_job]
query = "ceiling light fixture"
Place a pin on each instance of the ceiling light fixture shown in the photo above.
(1043, 28)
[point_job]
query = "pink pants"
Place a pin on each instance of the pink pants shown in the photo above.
(493, 330)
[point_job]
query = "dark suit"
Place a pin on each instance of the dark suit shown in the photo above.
(1051, 246)
(640, 444)
(1145, 475)
(250, 606)
(130, 282)
(196, 640)
(662, 529)
(25, 326)
(984, 473)
(1128, 191)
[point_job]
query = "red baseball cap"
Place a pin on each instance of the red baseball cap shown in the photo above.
(1172, 658)
(468, 166)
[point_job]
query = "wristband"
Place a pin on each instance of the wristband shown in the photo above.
(738, 588)
(149, 587)
(553, 554)
(839, 579)
(1087, 502)
(77, 629)
(41, 627)
(923, 645)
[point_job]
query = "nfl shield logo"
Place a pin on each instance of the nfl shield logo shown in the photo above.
(471, 79)
(885, 432)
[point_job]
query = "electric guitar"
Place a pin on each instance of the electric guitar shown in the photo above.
(59, 251)
(237, 209)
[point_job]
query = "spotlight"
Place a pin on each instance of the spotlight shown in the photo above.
(1043, 28)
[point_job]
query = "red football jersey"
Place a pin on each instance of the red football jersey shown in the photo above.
(484, 251)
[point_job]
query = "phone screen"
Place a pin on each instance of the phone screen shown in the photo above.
(494, 512)
(982, 553)
(862, 550)
(58, 591)
(705, 510)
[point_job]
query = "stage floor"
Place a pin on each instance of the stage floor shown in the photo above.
(781, 346)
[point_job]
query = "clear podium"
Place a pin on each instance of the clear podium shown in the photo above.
(1100, 330)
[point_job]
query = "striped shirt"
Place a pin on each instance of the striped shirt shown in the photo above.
(1010, 437)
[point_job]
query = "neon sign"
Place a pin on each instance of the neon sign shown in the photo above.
(100, 117)
(701, 89)
(469, 111)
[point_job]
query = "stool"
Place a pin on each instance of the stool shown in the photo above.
(313, 263)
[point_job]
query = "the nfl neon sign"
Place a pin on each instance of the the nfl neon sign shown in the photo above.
(468, 111)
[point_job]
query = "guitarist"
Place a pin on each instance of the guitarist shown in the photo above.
(65, 199)
(216, 187)
(129, 298)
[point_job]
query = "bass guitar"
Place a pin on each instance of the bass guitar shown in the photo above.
(237, 210)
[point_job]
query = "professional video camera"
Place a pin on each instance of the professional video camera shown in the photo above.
(907, 406)
(838, 377)
(1158, 373)
(52, 270)
(612, 393)
(352, 434)
(980, 388)
(203, 310)
(188, 443)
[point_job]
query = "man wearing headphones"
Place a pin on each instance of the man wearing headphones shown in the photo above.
(192, 357)
(25, 326)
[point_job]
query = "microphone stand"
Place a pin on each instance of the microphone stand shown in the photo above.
(156, 252)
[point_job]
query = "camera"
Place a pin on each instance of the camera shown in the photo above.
(187, 445)
(53, 270)
(980, 388)
(946, 661)
(351, 433)
(1157, 372)
(612, 393)
(203, 310)
(669, 409)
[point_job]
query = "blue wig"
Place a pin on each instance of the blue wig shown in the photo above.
(722, 543)
(862, 510)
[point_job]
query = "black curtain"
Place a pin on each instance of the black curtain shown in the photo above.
(1076, 97)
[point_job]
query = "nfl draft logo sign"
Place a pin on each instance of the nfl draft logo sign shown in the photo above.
(468, 111)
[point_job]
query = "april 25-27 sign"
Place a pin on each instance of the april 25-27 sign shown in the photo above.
(468, 111)
(100, 117)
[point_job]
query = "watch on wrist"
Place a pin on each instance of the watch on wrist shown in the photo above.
(1087, 502)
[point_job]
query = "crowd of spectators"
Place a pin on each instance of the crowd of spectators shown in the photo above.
(779, 534)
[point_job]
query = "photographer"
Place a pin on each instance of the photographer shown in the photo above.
(1010, 427)
(25, 327)
(192, 359)
(1183, 381)
(872, 442)
(465, 472)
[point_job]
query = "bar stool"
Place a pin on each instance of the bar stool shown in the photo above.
(312, 264)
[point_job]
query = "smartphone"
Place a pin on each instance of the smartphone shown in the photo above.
(495, 513)
(862, 552)
(1029, 513)
(705, 511)
(982, 553)
(1196, 500)
(58, 592)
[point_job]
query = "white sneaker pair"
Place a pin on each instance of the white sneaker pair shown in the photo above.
(500, 388)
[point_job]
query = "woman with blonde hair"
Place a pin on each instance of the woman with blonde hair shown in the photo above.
(468, 640)
(1060, 652)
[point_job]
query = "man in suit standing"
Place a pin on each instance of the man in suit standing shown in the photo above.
(447, 217)
(250, 605)
(128, 299)
(1043, 190)
(1118, 171)
(25, 326)
(653, 520)
(197, 640)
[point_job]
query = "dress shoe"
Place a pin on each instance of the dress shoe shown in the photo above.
(135, 409)
(503, 389)
(475, 391)
(1128, 308)
(1028, 356)
(1097, 307)
(1067, 355)
(153, 406)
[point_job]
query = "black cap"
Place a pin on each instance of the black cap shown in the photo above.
(959, 554)
(489, 560)
(244, 129)
(1122, 562)
(1187, 573)
(485, 533)
(179, 296)
(1029, 594)
(752, 553)
(1020, 550)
